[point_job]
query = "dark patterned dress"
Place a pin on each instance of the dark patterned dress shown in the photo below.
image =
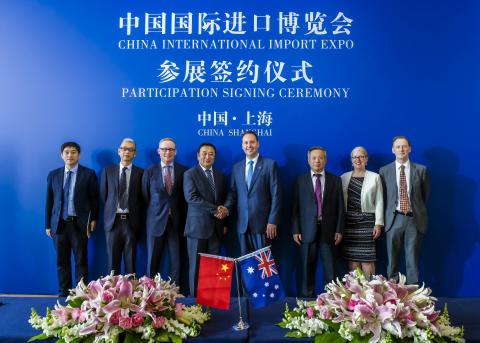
(358, 243)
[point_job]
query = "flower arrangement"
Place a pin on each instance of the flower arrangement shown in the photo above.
(379, 310)
(119, 307)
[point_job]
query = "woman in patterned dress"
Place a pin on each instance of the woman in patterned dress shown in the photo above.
(362, 190)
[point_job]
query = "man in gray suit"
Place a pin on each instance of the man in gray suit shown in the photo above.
(205, 191)
(406, 188)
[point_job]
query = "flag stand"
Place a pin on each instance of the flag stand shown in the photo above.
(241, 325)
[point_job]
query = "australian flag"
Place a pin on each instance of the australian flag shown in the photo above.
(260, 277)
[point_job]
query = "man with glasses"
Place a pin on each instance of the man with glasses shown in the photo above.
(121, 193)
(162, 188)
(70, 214)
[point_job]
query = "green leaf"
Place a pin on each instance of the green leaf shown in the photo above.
(75, 302)
(89, 339)
(162, 337)
(132, 338)
(61, 340)
(282, 324)
(40, 337)
(361, 339)
(330, 337)
(175, 339)
(295, 334)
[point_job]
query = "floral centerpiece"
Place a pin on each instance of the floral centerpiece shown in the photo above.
(119, 307)
(379, 310)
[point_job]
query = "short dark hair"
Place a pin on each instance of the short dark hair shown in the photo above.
(249, 132)
(400, 137)
(70, 145)
(316, 147)
(206, 144)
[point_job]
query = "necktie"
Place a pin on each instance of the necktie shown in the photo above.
(66, 195)
(122, 194)
(168, 180)
(249, 173)
(318, 194)
(404, 203)
(210, 180)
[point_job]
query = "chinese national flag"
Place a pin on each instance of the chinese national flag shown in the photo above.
(214, 281)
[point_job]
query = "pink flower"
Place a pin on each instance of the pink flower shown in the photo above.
(178, 309)
(351, 304)
(148, 282)
(78, 315)
(62, 314)
(114, 318)
(125, 322)
(325, 313)
(158, 322)
(137, 319)
(410, 317)
(107, 296)
(309, 312)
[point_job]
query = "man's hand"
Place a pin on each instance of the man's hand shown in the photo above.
(222, 212)
(297, 237)
(49, 232)
(93, 225)
(271, 231)
(338, 238)
(225, 230)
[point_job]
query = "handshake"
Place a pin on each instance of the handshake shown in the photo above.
(222, 212)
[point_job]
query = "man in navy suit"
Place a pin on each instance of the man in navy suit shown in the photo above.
(318, 220)
(70, 214)
(205, 191)
(255, 190)
(121, 193)
(162, 188)
(406, 189)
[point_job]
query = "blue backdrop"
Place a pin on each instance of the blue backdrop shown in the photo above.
(404, 67)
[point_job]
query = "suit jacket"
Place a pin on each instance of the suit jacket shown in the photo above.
(419, 192)
(109, 181)
(202, 203)
(371, 197)
(159, 204)
(85, 197)
(304, 220)
(259, 205)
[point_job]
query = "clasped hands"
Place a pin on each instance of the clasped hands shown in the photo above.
(222, 212)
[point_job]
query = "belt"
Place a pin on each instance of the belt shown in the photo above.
(407, 214)
(122, 216)
(70, 219)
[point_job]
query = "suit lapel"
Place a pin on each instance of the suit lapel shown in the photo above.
(116, 179)
(309, 184)
(412, 177)
(393, 179)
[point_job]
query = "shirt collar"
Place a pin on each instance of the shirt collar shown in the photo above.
(129, 167)
(165, 165)
(406, 164)
(313, 173)
(74, 169)
(204, 169)
(253, 159)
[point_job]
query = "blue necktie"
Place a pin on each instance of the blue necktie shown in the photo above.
(250, 173)
(66, 195)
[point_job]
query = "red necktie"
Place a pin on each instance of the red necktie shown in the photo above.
(168, 180)
(404, 203)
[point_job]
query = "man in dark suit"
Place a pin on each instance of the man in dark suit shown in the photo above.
(70, 214)
(121, 193)
(255, 189)
(318, 220)
(162, 188)
(406, 188)
(205, 191)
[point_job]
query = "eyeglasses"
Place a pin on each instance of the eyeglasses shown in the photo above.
(124, 148)
(358, 157)
(166, 149)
